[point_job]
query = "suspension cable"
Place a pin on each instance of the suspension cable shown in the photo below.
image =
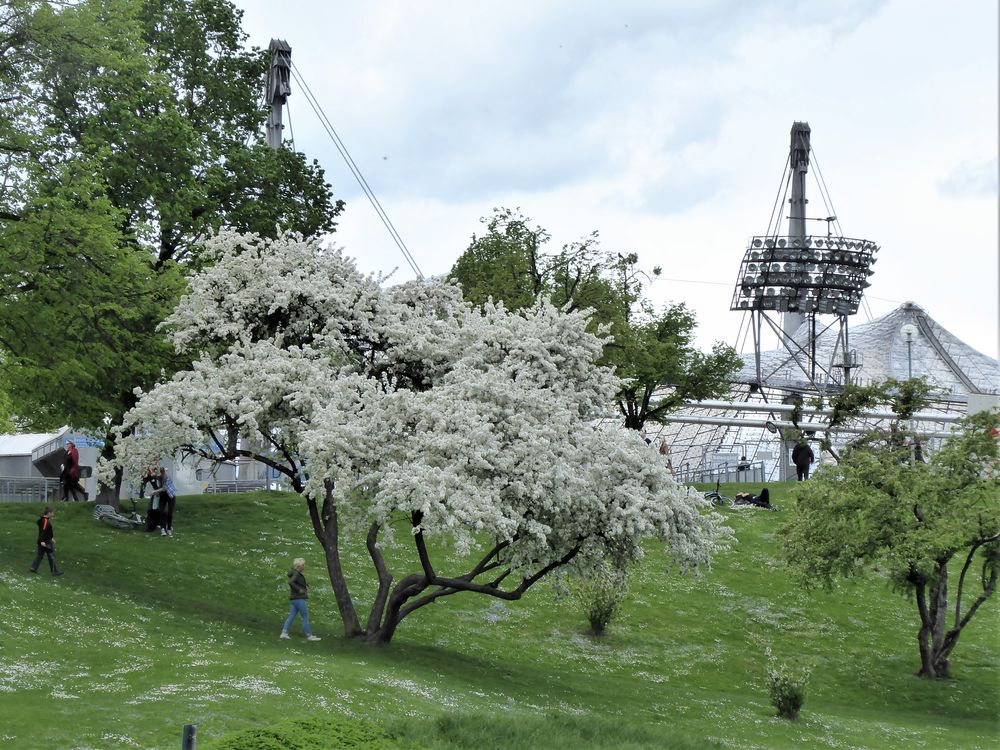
(355, 170)
(827, 199)
(778, 210)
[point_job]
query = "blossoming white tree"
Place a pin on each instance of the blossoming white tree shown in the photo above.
(473, 428)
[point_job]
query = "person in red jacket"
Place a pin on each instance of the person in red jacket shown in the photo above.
(46, 543)
(71, 473)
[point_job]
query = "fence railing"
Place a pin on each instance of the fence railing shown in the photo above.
(753, 473)
(29, 489)
(55, 444)
(235, 485)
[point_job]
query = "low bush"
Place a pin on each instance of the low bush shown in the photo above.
(788, 687)
(600, 594)
(328, 733)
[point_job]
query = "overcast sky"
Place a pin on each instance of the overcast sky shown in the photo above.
(664, 125)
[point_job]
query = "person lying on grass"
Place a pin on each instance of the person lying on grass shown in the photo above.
(763, 500)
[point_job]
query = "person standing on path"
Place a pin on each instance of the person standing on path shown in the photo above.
(46, 543)
(167, 501)
(297, 599)
(71, 473)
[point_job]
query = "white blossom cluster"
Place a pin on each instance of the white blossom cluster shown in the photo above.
(480, 423)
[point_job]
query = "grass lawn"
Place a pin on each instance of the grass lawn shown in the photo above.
(145, 634)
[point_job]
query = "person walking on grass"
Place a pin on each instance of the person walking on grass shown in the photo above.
(802, 457)
(70, 475)
(298, 596)
(46, 543)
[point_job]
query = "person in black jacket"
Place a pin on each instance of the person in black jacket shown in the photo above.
(46, 543)
(153, 512)
(763, 500)
(802, 456)
(298, 596)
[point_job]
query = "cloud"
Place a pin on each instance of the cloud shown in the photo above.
(971, 181)
(664, 125)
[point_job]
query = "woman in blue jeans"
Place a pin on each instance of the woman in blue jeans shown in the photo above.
(299, 595)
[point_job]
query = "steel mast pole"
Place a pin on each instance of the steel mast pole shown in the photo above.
(278, 88)
(798, 163)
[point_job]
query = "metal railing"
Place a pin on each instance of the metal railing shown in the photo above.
(55, 444)
(235, 485)
(753, 473)
(29, 489)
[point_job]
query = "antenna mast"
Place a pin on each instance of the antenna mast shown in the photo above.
(798, 165)
(278, 88)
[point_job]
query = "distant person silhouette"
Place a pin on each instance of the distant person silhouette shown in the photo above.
(802, 457)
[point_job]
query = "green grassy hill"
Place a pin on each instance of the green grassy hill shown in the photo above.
(145, 634)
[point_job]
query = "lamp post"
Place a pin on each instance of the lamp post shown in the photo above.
(909, 331)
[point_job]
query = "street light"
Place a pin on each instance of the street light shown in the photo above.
(908, 331)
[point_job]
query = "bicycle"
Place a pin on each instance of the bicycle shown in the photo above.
(717, 499)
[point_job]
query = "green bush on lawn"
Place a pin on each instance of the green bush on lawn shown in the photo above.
(330, 733)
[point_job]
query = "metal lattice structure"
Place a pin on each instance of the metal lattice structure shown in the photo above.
(802, 288)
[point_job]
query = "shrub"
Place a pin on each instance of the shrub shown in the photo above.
(337, 733)
(600, 594)
(788, 687)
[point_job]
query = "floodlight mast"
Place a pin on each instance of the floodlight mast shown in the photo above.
(799, 165)
(278, 88)
(800, 277)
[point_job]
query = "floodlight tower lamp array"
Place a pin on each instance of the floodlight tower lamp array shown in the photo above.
(825, 275)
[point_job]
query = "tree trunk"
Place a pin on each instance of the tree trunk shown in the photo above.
(105, 494)
(327, 530)
(935, 643)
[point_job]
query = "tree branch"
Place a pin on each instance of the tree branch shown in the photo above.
(965, 568)
(454, 585)
(384, 579)
(425, 561)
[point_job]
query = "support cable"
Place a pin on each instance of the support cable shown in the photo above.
(778, 210)
(827, 200)
(355, 170)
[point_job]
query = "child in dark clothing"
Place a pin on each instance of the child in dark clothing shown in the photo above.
(46, 543)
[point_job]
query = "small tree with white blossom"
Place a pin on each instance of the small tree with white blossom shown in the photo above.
(473, 427)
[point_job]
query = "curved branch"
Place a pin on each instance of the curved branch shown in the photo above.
(454, 585)
(425, 561)
(965, 569)
(384, 578)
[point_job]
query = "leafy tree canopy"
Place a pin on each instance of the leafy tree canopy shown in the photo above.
(879, 507)
(132, 129)
(407, 407)
(652, 350)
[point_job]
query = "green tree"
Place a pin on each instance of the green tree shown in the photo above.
(132, 130)
(653, 350)
(920, 522)
(904, 397)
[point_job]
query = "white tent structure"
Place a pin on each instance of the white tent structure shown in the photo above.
(906, 342)
(708, 439)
